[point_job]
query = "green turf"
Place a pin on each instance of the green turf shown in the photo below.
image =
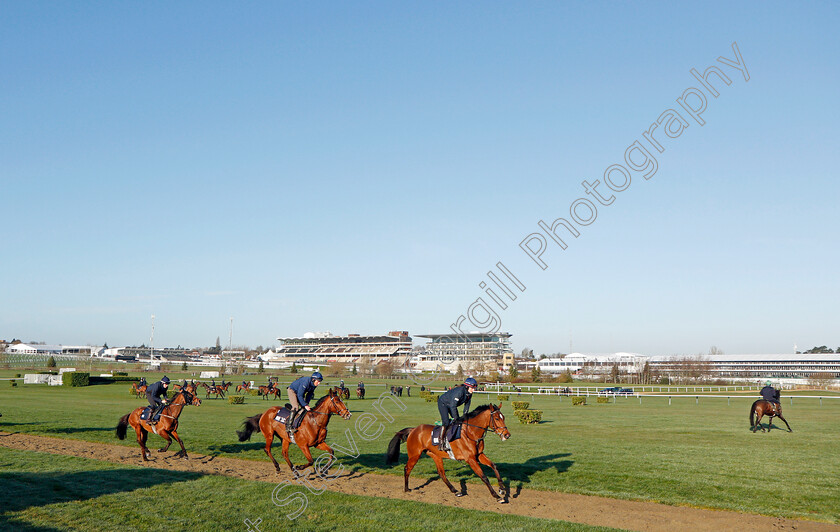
(684, 454)
(47, 492)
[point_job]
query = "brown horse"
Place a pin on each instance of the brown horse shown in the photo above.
(762, 408)
(468, 448)
(164, 428)
(265, 391)
(218, 390)
(312, 431)
(242, 389)
(360, 393)
(139, 391)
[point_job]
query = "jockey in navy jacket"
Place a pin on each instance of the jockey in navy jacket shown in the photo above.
(304, 389)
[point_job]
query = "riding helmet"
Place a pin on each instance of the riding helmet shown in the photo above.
(165, 379)
(317, 376)
(471, 382)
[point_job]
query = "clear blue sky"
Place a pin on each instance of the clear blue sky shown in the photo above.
(360, 166)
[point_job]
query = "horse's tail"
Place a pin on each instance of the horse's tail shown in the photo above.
(393, 454)
(752, 413)
(249, 426)
(122, 426)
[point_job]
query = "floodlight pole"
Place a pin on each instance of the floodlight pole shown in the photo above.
(152, 343)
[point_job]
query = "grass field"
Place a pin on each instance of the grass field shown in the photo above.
(45, 492)
(681, 454)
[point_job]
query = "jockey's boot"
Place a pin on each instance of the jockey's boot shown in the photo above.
(292, 420)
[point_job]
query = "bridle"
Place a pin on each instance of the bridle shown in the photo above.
(328, 413)
(490, 426)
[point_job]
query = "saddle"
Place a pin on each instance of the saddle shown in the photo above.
(452, 433)
(284, 416)
(144, 415)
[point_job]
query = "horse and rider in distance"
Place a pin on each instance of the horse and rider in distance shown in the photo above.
(769, 405)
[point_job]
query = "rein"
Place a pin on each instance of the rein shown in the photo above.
(491, 425)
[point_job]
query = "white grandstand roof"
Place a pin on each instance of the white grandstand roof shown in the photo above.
(798, 357)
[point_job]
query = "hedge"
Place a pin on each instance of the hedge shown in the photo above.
(111, 380)
(252, 391)
(431, 398)
(501, 397)
(603, 399)
(236, 399)
(528, 416)
(76, 378)
(578, 400)
(120, 374)
(521, 405)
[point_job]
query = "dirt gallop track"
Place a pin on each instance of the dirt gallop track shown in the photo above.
(590, 510)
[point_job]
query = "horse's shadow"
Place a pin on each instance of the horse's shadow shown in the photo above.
(514, 474)
(73, 430)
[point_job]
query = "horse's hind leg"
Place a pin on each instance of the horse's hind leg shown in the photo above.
(269, 439)
(141, 439)
(412, 461)
(439, 463)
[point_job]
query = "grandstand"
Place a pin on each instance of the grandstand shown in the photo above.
(474, 350)
(350, 349)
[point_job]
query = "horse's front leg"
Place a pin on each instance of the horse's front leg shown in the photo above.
(165, 435)
(308, 454)
(325, 469)
(476, 467)
(183, 452)
(786, 423)
(486, 461)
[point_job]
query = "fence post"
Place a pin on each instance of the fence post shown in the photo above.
(669, 400)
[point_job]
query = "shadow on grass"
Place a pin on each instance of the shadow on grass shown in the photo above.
(22, 490)
(518, 473)
(73, 430)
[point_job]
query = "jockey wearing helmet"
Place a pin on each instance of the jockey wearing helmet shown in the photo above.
(769, 393)
(154, 393)
(300, 392)
(449, 402)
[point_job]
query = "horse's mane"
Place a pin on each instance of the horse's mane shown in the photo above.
(321, 400)
(479, 410)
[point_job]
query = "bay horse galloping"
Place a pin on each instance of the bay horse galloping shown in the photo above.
(139, 391)
(312, 431)
(164, 428)
(265, 391)
(468, 448)
(762, 408)
(241, 389)
(214, 389)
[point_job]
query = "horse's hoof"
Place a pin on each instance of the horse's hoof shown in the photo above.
(459, 493)
(161, 450)
(500, 500)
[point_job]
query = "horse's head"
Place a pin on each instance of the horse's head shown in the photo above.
(497, 422)
(337, 406)
(184, 397)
